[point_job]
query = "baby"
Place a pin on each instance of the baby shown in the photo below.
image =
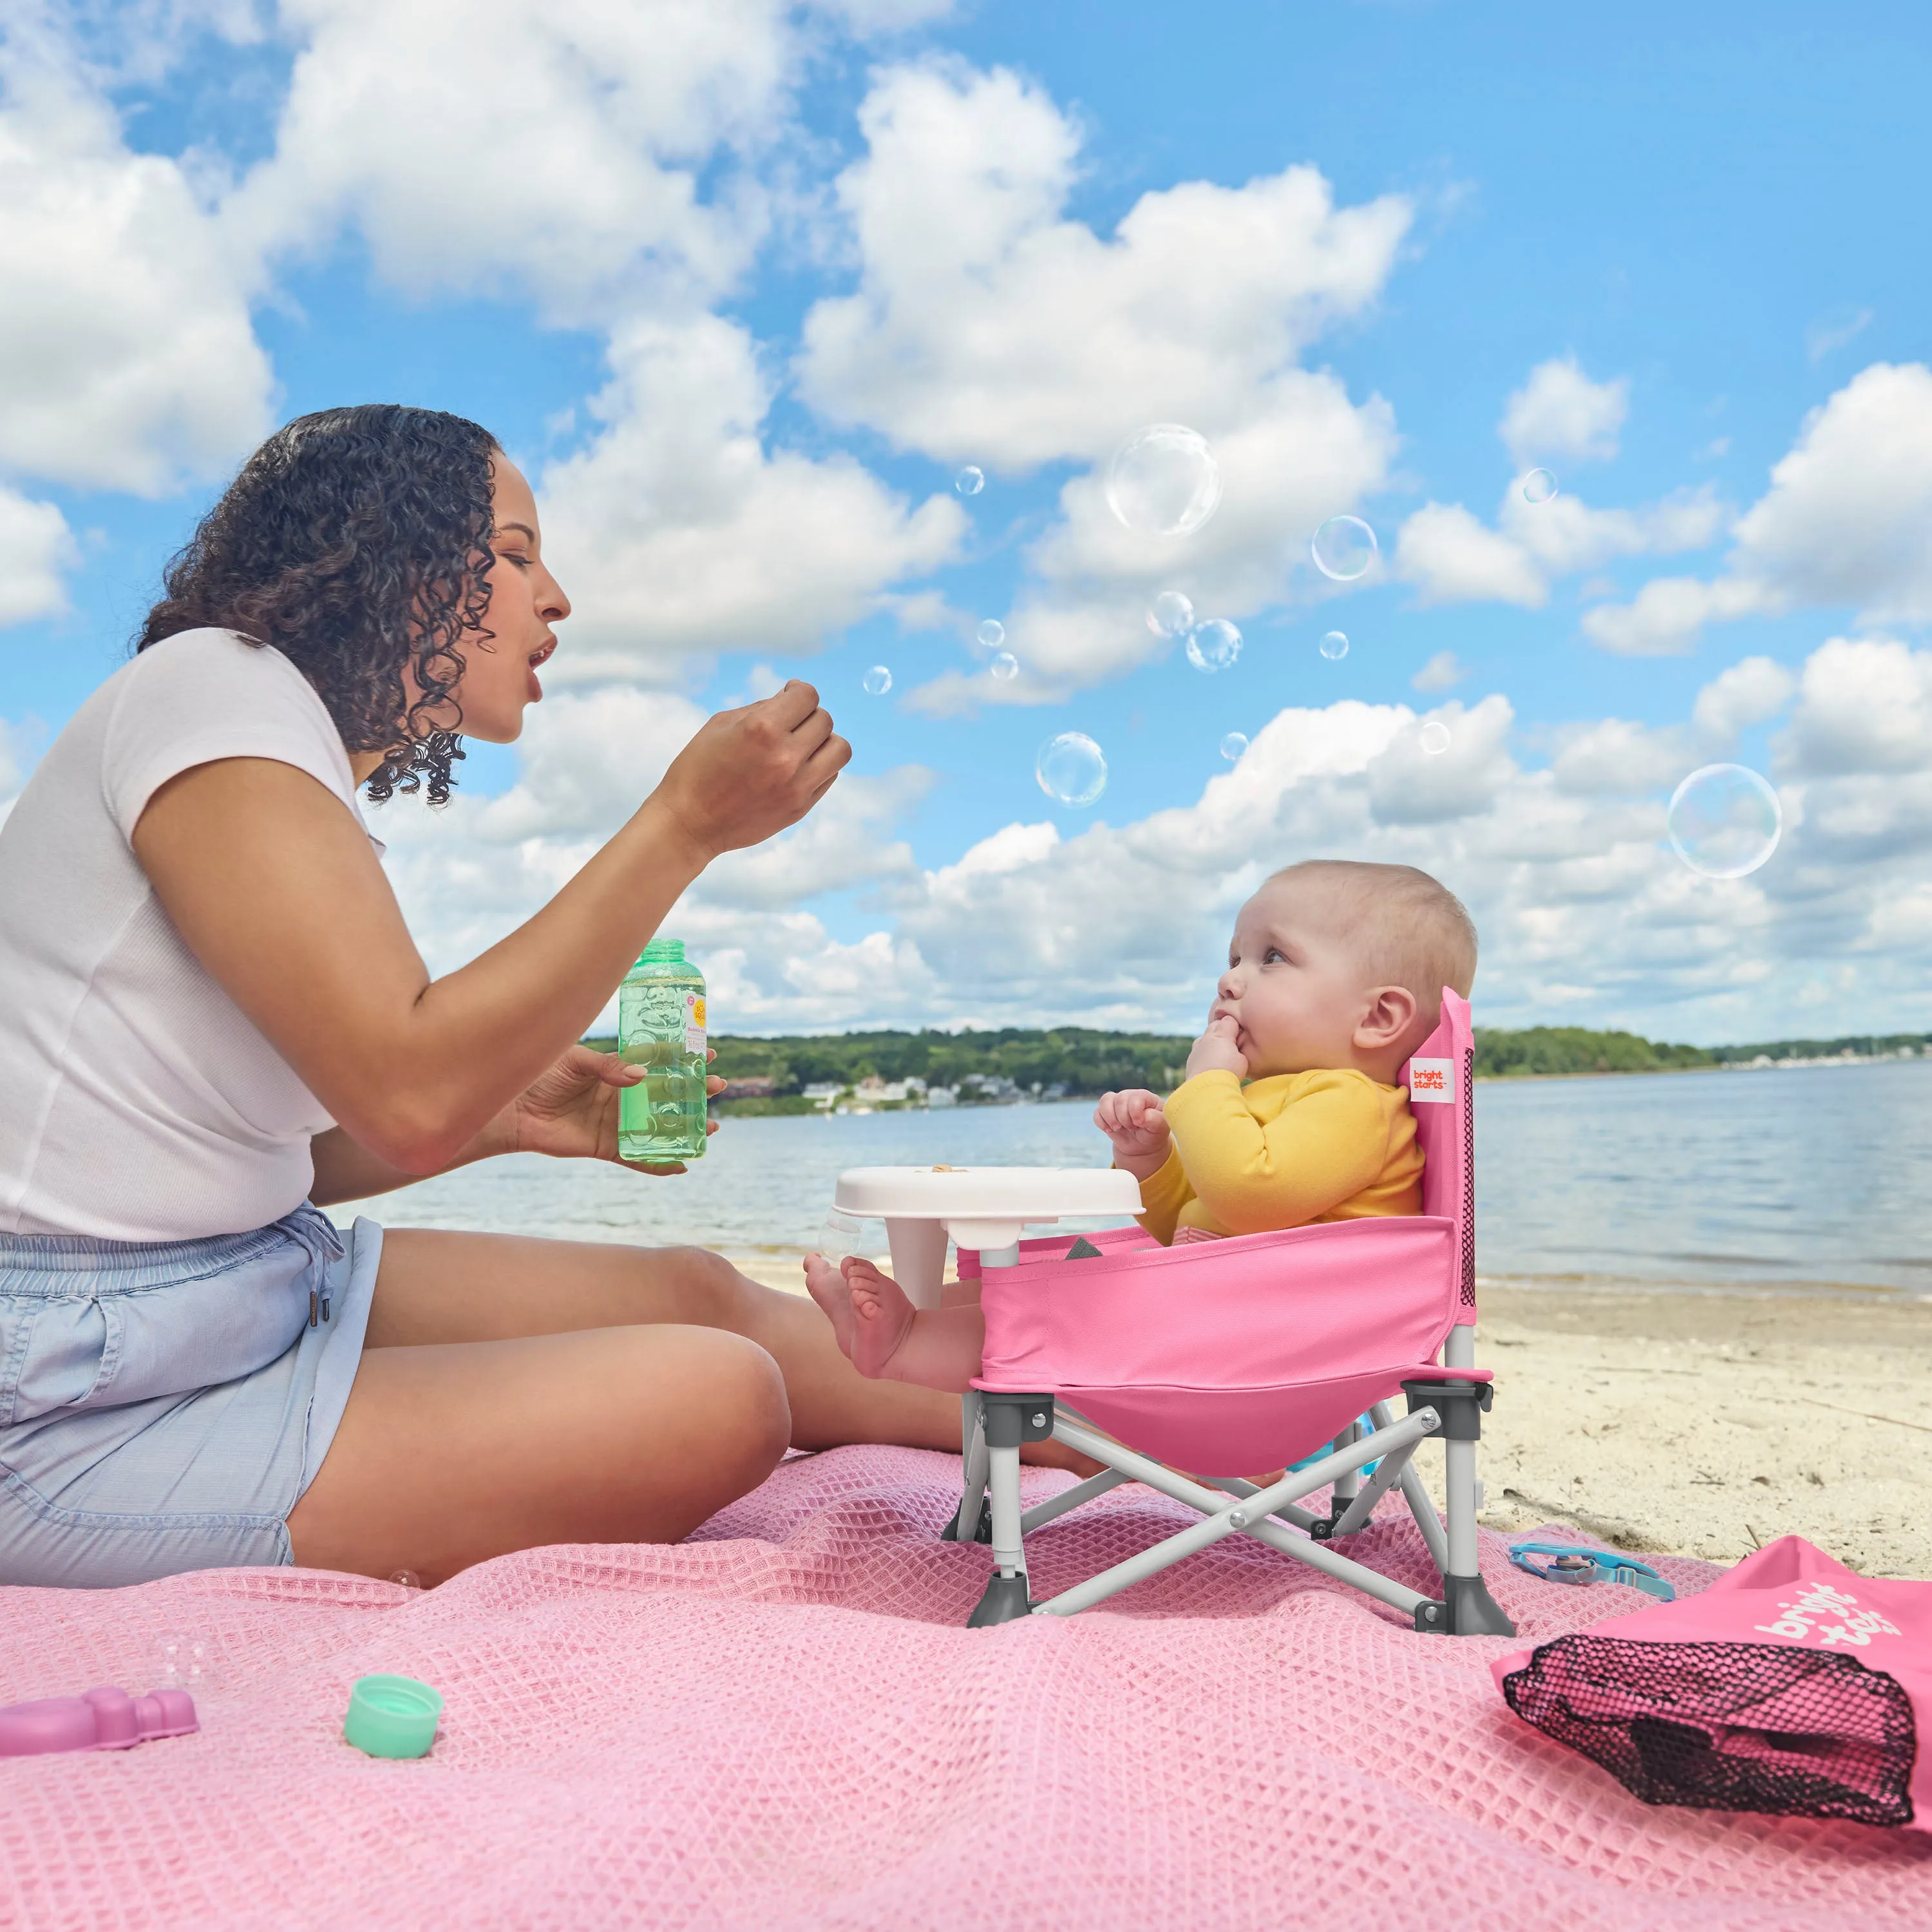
(1289, 1113)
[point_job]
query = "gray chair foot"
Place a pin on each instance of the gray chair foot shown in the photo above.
(1005, 1598)
(983, 1534)
(1467, 1610)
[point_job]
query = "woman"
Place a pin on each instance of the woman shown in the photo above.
(216, 1016)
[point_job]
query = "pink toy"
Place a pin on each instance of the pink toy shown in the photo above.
(104, 1720)
(1791, 1685)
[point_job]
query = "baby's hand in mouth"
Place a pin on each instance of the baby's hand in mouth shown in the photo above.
(1217, 1051)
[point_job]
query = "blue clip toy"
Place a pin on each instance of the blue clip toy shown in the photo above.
(1571, 1563)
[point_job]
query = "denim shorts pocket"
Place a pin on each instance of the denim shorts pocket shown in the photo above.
(56, 1352)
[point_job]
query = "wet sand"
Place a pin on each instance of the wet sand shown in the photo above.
(1698, 1423)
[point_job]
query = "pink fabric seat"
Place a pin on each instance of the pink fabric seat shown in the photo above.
(1222, 1357)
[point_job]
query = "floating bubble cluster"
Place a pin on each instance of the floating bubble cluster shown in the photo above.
(1214, 645)
(1233, 746)
(971, 480)
(992, 633)
(1434, 737)
(1724, 821)
(1170, 615)
(1538, 487)
(1071, 769)
(1005, 667)
(877, 681)
(1334, 644)
(1343, 548)
(1164, 482)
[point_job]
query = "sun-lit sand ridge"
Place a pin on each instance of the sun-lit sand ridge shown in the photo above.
(1698, 1424)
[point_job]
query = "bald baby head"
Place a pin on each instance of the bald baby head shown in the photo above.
(1404, 927)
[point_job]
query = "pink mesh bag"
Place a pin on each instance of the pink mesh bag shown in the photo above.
(1792, 1685)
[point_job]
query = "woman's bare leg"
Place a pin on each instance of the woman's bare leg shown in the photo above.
(451, 1454)
(436, 1287)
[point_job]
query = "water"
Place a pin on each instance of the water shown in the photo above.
(1772, 1179)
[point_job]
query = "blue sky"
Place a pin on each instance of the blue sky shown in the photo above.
(676, 258)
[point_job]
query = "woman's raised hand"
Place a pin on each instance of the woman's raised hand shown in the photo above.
(752, 772)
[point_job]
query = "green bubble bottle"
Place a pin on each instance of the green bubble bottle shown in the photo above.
(660, 1027)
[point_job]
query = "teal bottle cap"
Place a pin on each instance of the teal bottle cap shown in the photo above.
(392, 1716)
(662, 951)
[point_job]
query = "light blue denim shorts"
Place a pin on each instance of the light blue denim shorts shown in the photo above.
(164, 1404)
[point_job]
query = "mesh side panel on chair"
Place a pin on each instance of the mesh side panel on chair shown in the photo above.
(1468, 1105)
(1728, 1727)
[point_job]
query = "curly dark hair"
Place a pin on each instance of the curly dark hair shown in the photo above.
(356, 541)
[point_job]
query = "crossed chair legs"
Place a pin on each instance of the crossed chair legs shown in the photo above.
(995, 1425)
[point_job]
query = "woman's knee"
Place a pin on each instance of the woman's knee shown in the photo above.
(706, 1290)
(742, 1407)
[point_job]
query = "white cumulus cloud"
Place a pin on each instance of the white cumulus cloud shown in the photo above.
(124, 295)
(679, 533)
(1560, 416)
(38, 548)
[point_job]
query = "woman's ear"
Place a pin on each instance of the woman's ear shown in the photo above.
(1389, 1014)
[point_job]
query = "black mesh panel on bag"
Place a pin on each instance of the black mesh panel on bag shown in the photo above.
(1728, 1727)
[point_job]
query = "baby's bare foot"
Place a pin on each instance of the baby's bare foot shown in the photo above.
(882, 1317)
(827, 1286)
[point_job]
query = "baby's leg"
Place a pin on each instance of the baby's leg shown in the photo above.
(937, 1347)
(827, 1286)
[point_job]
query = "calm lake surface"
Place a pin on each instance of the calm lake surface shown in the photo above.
(1782, 1177)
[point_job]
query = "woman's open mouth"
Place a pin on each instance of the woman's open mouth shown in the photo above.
(542, 654)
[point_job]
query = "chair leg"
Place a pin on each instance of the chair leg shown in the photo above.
(1005, 1596)
(970, 1524)
(1467, 1610)
(1008, 1420)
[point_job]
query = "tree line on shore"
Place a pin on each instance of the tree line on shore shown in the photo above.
(1071, 1061)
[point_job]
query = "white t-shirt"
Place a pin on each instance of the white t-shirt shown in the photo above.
(138, 1102)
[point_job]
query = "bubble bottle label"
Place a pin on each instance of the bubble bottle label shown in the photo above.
(694, 1023)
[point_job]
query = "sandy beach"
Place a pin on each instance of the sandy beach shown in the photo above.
(1698, 1423)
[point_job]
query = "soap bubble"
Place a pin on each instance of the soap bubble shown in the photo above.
(992, 633)
(1006, 666)
(971, 480)
(1334, 644)
(1343, 548)
(1164, 482)
(1724, 821)
(1232, 746)
(877, 681)
(1214, 645)
(1170, 615)
(1434, 737)
(1538, 487)
(408, 1579)
(1071, 769)
(840, 1235)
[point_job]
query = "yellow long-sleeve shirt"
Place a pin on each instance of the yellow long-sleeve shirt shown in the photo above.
(1326, 1145)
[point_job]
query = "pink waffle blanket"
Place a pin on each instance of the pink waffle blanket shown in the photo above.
(781, 1723)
